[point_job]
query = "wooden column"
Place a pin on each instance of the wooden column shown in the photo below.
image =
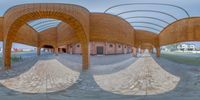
(115, 48)
(105, 48)
(85, 56)
(7, 45)
(158, 51)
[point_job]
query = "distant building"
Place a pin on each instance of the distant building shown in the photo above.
(1, 50)
(21, 49)
(27, 49)
(186, 47)
(164, 48)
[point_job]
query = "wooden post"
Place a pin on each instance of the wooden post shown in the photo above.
(158, 51)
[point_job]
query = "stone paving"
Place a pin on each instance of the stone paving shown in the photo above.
(45, 76)
(139, 79)
(142, 78)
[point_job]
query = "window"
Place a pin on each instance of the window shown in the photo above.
(78, 46)
(119, 46)
(111, 45)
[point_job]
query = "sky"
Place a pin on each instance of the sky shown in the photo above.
(192, 7)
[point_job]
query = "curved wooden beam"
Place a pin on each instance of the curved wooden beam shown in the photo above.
(163, 4)
(186, 29)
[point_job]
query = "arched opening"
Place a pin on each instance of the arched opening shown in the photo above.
(33, 15)
(146, 47)
(48, 46)
(46, 49)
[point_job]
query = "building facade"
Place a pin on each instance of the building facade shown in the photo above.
(186, 47)
(97, 48)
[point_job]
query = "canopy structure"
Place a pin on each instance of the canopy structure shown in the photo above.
(57, 24)
(43, 24)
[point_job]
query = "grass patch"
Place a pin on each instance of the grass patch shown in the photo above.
(14, 59)
(182, 59)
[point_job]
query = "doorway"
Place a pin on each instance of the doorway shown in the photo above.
(64, 50)
(99, 50)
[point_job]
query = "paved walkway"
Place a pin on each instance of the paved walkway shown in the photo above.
(45, 76)
(144, 78)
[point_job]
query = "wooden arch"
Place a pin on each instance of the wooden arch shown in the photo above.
(75, 16)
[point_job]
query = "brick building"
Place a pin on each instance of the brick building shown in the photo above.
(97, 48)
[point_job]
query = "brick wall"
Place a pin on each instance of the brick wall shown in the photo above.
(108, 48)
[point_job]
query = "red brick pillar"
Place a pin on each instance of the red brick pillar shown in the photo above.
(59, 50)
(66, 48)
(115, 48)
(56, 51)
(105, 48)
(134, 51)
(123, 49)
(73, 48)
(139, 50)
(142, 51)
(70, 49)
(93, 48)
